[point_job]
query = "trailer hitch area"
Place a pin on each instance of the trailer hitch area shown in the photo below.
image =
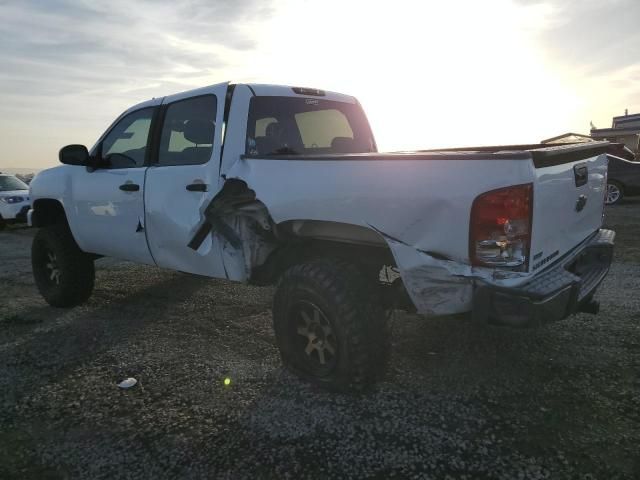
(591, 306)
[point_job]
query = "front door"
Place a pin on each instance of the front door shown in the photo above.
(108, 213)
(184, 180)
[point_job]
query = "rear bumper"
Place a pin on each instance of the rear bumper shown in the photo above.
(559, 291)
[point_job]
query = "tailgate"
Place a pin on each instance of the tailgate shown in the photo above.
(568, 201)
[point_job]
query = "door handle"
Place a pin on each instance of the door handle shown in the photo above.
(581, 174)
(129, 187)
(197, 187)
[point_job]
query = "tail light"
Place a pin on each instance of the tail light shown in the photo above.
(500, 229)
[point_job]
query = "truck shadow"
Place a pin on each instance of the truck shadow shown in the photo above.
(71, 337)
(457, 355)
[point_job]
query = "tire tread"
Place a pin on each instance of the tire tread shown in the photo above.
(360, 315)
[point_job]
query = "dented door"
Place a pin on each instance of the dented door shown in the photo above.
(184, 179)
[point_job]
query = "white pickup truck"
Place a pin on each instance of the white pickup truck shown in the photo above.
(284, 185)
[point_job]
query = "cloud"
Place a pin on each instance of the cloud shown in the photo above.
(65, 59)
(112, 43)
(593, 36)
(71, 66)
(592, 45)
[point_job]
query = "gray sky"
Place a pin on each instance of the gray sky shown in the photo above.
(429, 74)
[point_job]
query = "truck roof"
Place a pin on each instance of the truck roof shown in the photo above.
(262, 89)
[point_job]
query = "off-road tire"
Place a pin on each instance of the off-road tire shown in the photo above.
(350, 303)
(73, 283)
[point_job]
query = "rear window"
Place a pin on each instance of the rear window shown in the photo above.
(296, 125)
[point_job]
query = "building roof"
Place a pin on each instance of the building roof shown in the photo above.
(614, 132)
(627, 121)
(633, 116)
(568, 137)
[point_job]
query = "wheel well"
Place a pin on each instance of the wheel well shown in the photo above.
(376, 263)
(370, 259)
(298, 241)
(47, 211)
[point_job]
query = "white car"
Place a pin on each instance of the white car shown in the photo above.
(284, 185)
(14, 200)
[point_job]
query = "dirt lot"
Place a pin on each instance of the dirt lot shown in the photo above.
(561, 401)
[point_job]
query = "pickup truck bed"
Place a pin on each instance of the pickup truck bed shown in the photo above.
(415, 221)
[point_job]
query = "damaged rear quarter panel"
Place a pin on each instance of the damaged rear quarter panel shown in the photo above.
(417, 206)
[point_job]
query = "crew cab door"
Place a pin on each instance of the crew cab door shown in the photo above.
(184, 179)
(107, 217)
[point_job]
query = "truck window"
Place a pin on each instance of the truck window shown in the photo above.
(188, 131)
(299, 125)
(320, 128)
(125, 145)
(261, 125)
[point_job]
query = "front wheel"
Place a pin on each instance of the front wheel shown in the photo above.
(330, 326)
(63, 273)
(614, 193)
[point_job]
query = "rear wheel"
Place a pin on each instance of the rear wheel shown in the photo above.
(614, 194)
(330, 326)
(63, 273)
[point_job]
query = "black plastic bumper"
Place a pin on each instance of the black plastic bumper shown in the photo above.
(21, 217)
(561, 290)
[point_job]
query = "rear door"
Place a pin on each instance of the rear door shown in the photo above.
(184, 179)
(568, 202)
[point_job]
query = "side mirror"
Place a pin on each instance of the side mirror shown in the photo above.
(74, 155)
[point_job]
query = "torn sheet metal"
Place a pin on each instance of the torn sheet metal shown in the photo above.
(240, 224)
(255, 248)
(440, 286)
(436, 287)
(222, 205)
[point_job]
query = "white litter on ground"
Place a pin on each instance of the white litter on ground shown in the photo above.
(128, 383)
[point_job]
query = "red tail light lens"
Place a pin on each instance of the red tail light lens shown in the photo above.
(500, 229)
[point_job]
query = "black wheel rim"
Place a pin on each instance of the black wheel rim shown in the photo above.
(314, 340)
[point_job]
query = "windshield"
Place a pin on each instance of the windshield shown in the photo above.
(295, 125)
(8, 184)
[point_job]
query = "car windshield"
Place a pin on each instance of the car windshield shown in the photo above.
(9, 183)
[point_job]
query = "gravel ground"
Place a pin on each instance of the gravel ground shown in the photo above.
(459, 401)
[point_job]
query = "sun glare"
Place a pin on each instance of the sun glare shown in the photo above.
(429, 74)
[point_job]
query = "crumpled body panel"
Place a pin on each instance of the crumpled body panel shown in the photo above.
(414, 206)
